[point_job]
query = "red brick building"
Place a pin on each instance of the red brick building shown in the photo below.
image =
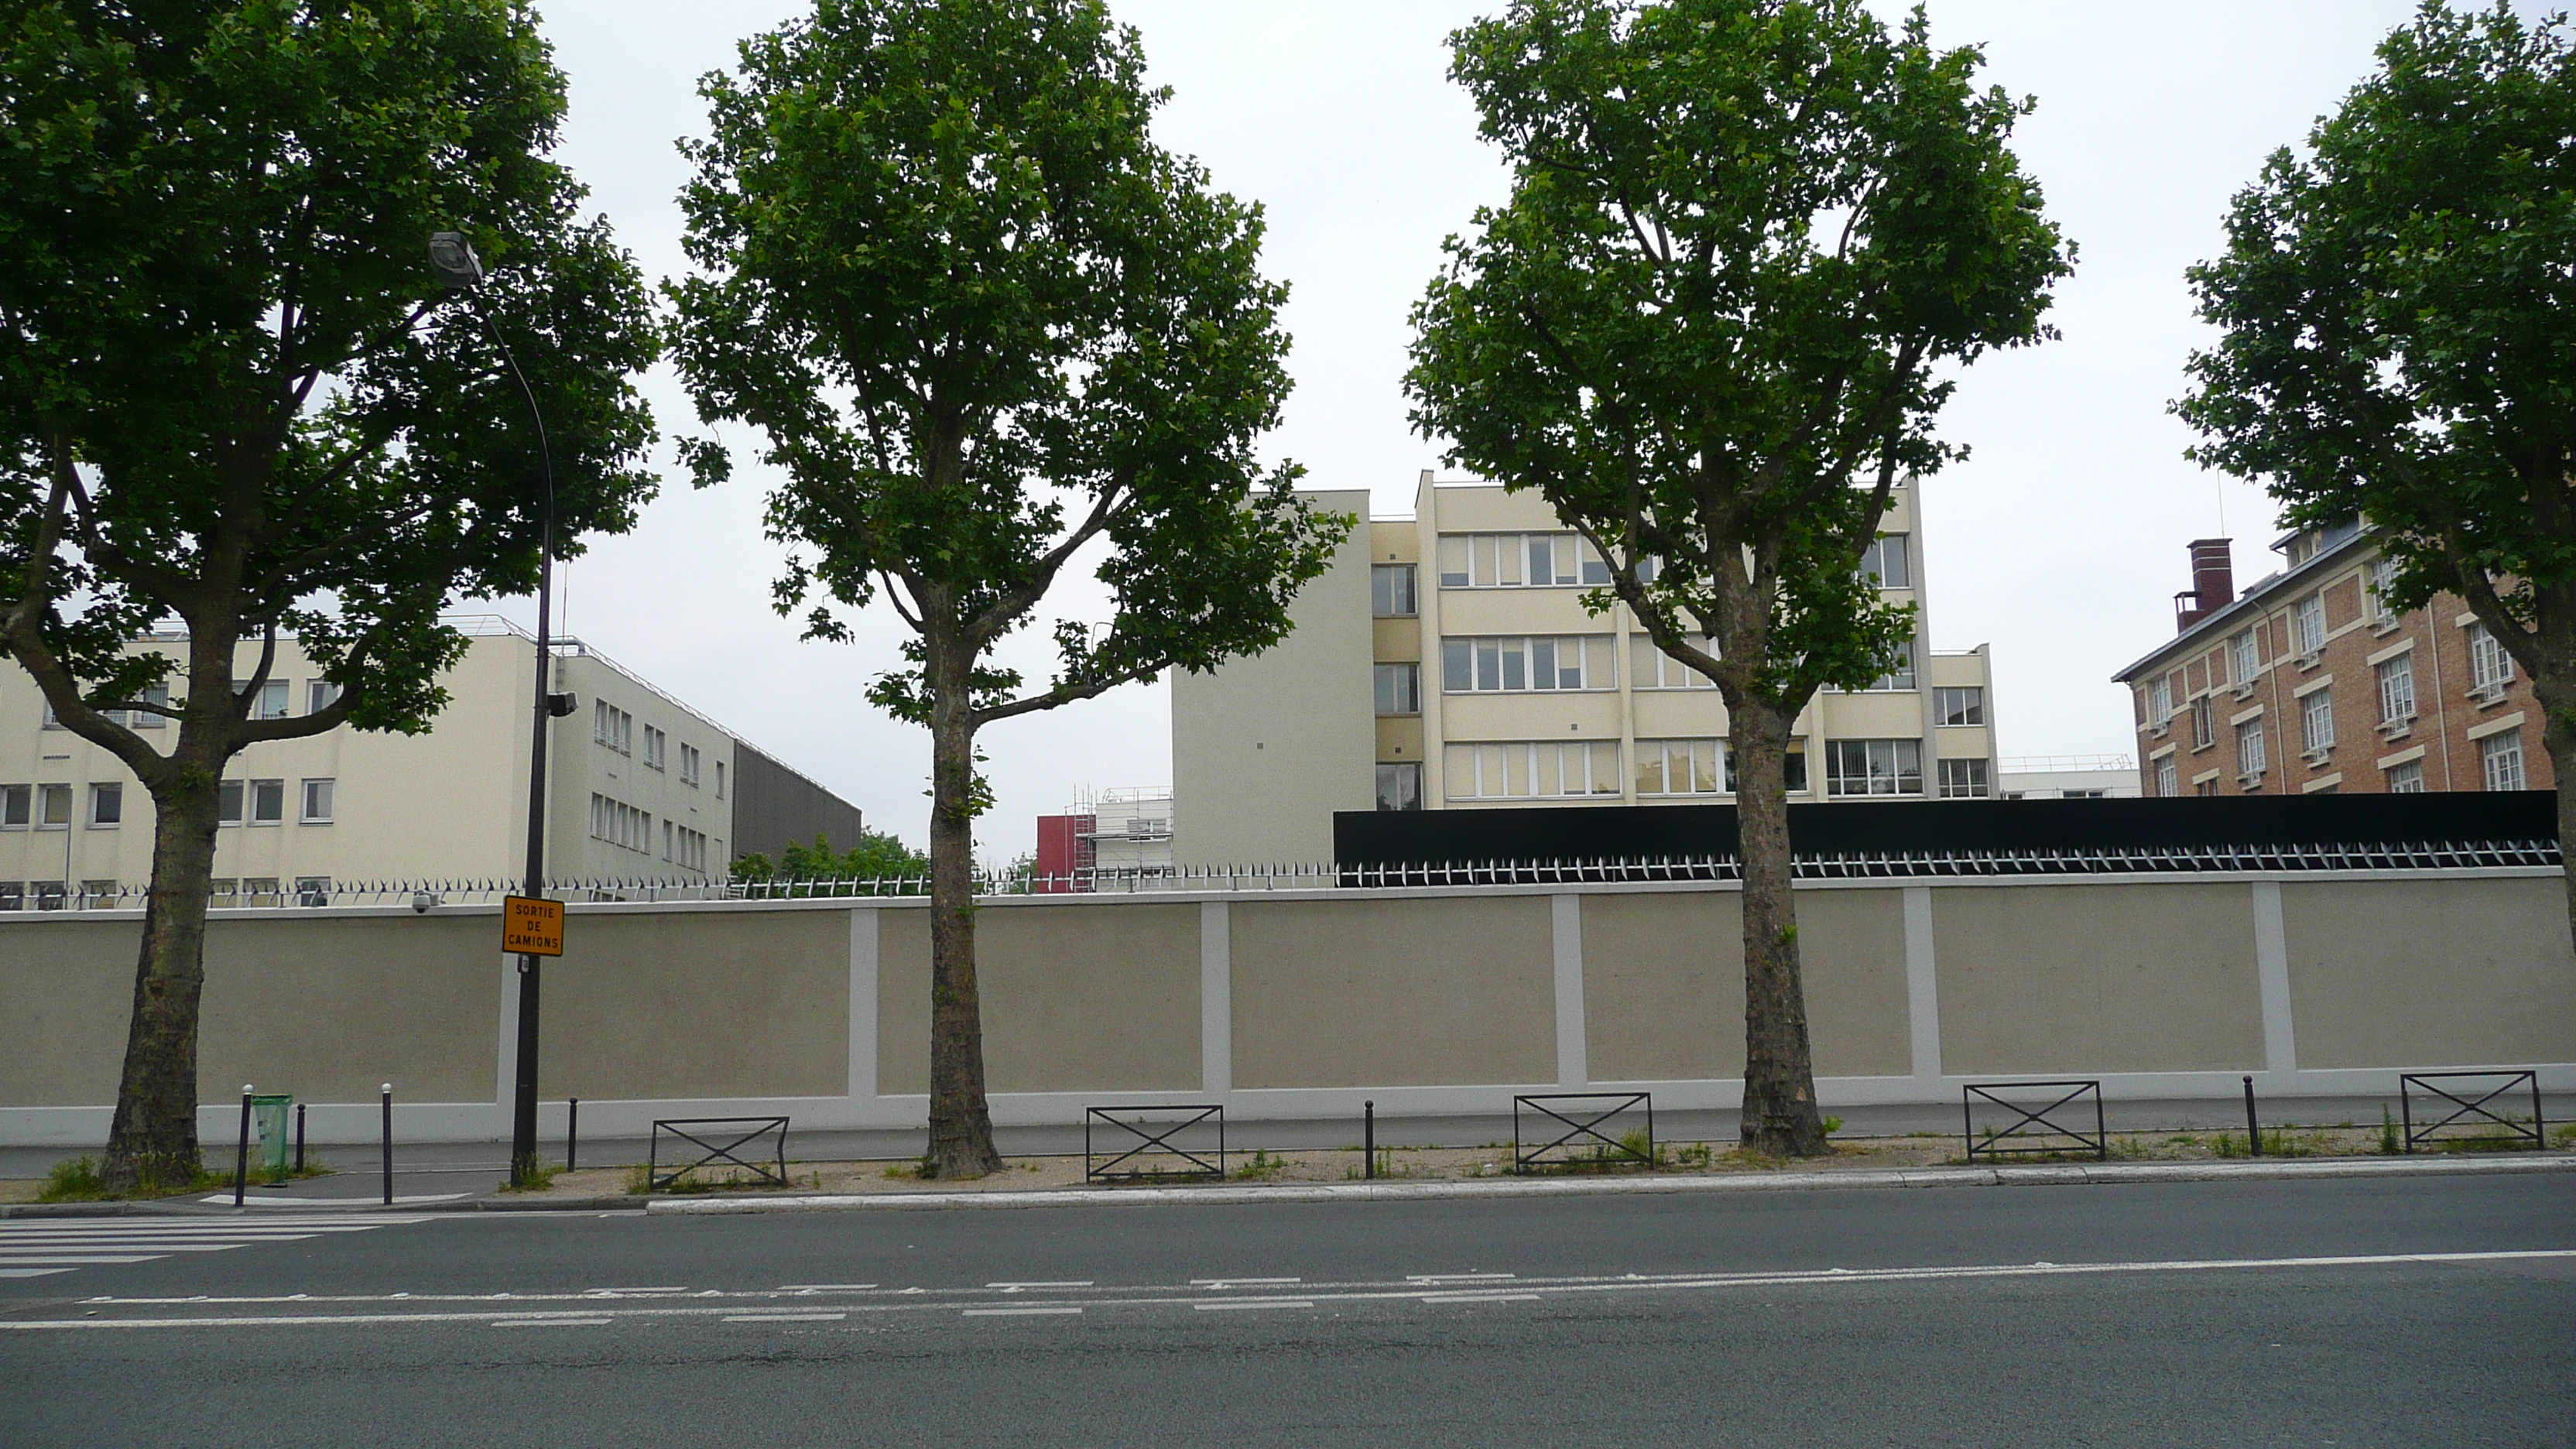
(2306, 683)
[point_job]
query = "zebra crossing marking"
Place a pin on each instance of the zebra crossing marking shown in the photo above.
(43, 1247)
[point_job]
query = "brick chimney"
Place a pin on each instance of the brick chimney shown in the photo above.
(2213, 582)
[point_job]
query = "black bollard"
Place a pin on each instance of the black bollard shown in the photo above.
(572, 1131)
(299, 1139)
(1368, 1138)
(389, 1144)
(2253, 1129)
(241, 1155)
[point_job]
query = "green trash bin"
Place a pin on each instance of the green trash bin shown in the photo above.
(268, 1117)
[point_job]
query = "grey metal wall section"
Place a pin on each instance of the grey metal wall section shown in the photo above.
(774, 805)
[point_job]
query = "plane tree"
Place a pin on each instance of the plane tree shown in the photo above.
(991, 336)
(237, 405)
(1748, 245)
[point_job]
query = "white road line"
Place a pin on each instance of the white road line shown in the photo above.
(79, 1245)
(623, 1292)
(550, 1323)
(785, 1317)
(1017, 1312)
(22, 1260)
(824, 1287)
(1479, 1298)
(1235, 1303)
(95, 1242)
(31, 1272)
(1241, 1282)
(1068, 1283)
(1457, 1277)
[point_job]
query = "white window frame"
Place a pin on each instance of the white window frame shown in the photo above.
(2308, 626)
(2383, 572)
(2396, 682)
(1652, 668)
(109, 794)
(144, 719)
(1964, 779)
(251, 802)
(1395, 591)
(2245, 656)
(2500, 761)
(2406, 777)
(2490, 667)
(1881, 761)
(2160, 710)
(1466, 656)
(271, 702)
(1701, 760)
(17, 807)
(1396, 689)
(1889, 557)
(2316, 721)
(1502, 561)
(1967, 701)
(319, 695)
(1399, 785)
(689, 762)
(2168, 777)
(304, 800)
(1516, 769)
(2253, 755)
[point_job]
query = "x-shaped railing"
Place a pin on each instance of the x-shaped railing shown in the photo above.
(1150, 1141)
(766, 1173)
(1620, 1103)
(2098, 1142)
(2470, 1108)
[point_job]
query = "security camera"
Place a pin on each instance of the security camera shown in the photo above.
(422, 901)
(560, 705)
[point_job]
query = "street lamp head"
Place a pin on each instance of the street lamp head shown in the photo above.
(452, 257)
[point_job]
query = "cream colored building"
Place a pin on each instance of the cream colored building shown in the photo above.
(1446, 661)
(642, 787)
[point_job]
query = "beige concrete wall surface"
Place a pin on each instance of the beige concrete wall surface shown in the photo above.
(1075, 998)
(699, 1005)
(1404, 993)
(328, 1014)
(1663, 984)
(2430, 973)
(2098, 978)
(66, 993)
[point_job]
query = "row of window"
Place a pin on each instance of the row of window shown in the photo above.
(622, 825)
(2490, 667)
(1562, 560)
(614, 728)
(49, 807)
(228, 892)
(269, 702)
(1513, 664)
(1664, 769)
(2500, 758)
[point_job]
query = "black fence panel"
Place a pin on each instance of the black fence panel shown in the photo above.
(2047, 1119)
(1581, 1116)
(703, 1133)
(2455, 1099)
(1152, 1129)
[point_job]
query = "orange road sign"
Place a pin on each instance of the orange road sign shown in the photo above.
(531, 927)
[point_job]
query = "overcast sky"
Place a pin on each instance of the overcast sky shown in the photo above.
(2060, 543)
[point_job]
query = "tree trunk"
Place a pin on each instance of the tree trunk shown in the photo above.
(961, 1123)
(1780, 1115)
(154, 1137)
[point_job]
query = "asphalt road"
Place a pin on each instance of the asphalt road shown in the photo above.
(2394, 1312)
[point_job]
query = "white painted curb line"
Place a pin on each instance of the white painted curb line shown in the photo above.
(2066, 1173)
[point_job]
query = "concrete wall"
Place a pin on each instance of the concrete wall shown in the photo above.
(1293, 1004)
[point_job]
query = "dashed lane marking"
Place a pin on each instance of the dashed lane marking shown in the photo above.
(825, 1287)
(785, 1317)
(1232, 1304)
(1030, 1311)
(1017, 1286)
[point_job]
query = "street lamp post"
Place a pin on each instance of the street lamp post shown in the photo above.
(452, 257)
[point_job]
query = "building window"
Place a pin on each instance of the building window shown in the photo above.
(1399, 786)
(2160, 700)
(656, 745)
(2247, 656)
(1513, 665)
(1959, 705)
(1885, 559)
(689, 765)
(319, 695)
(1399, 689)
(49, 894)
(667, 831)
(720, 779)
(144, 719)
(1652, 668)
(1873, 767)
(2168, 778)
(2383, 575)
(692, 850)
(17, 806)
(1548, 770)
(53, 807)
(1391, 591)
(2308, 626)
(2501, 757)
(270, 701)
(1902, 675)
(2490, 668)
(313, 890)
(13, 895)
(106, 806)
(52, 721)
(267, 802)
(317, 802)
(1683, 767)
(621, 825)
(2204, 723)
(2397, 689)
(2316, 721)
(260, 890)
(1519, 561)
(2249, 748)
(612, 727)
(1963, 779)
(2406, 779)
(228, 803)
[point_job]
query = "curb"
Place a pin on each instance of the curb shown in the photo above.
(189, 1209)
(2072, 1174)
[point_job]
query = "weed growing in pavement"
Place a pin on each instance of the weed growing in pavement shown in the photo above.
(2565, 1136)
(539, 1179)
(79, 1180)
(1262, 1168)
(2390, 1143)
(1833, 1125)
